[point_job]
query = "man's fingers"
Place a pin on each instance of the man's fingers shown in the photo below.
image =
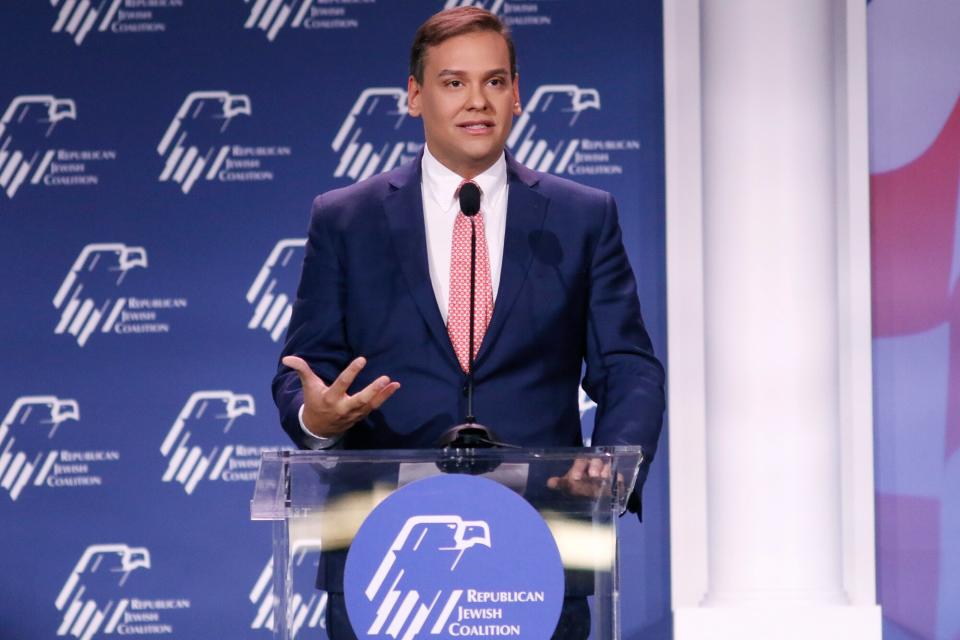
(577, 469)
(384, 395)
(596, 468)
(303, 370)
(375, 394)
(583, 479)
(364, 397)
(575, 488)
(347, 376)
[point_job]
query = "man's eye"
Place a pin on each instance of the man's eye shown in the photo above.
(454, 83)
(496, 81)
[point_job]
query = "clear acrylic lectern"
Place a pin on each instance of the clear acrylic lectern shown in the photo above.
(319, 499)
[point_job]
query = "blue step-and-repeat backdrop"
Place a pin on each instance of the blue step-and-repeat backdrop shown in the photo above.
(158, 159)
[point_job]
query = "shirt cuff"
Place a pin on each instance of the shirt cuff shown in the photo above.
(312, 441)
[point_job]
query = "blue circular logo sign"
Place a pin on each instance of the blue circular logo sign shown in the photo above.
(454, 556)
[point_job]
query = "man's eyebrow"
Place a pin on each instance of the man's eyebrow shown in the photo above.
(455, 72)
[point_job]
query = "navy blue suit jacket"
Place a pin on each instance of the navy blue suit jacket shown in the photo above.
(567, 295)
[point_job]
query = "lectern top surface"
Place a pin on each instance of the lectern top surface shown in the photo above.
(406, 455)
(296, 484)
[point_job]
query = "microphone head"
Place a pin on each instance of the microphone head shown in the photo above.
(469, 199)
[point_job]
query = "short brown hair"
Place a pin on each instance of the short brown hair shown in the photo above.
(456, 22)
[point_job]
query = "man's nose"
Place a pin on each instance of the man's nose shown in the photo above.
(477, 99)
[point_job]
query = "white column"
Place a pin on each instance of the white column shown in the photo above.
(771, 301)
(771, 326)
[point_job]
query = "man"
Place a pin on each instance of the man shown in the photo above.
(382, 300)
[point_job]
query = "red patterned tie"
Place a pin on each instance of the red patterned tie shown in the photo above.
(458, 313)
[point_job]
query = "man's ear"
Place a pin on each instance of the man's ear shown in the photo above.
(413, 97)
(517, 110)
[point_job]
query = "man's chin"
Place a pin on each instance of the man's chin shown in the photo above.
(477, 157)
(487, 152)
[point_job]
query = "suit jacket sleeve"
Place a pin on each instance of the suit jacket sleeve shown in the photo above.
(317, 329)
(623, 376)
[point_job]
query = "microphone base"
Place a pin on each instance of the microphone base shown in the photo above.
(459, 443)
(468, 435)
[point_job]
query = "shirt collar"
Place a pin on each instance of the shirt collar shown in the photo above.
(440, 183)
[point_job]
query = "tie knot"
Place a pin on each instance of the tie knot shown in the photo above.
(468, 194)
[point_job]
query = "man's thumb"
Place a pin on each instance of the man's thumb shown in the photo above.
(299, 365)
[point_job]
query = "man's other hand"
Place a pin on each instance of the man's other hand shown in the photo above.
(328, 411)
(586, 478)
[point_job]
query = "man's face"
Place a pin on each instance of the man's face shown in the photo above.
(467, 101)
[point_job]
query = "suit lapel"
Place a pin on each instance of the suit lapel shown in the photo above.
(403, 208)
(526, 211)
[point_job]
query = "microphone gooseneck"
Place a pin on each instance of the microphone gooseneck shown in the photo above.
(470, 205)
(470, 434)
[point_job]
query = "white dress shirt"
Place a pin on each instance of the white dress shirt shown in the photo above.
(440, 209)
(438, 187)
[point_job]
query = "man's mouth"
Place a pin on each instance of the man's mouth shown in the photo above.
(476, 125)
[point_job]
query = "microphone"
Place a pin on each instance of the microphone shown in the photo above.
(470, 434)
(469, 199)
(470, 206)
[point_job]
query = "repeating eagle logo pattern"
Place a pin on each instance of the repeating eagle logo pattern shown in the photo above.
(425, 545)
(372, 138)
(273, 290)
(78, 18)
(493, 6)
(25, 127)
(87, 599)
(36, 420)
(307, 606)
(206, 414)
(192, 142)
(272, 15)
(86, 296)
(537, 138)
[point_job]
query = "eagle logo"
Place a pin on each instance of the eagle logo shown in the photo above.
(191, 444)
(376, 135)
(79, 18)
(191, 146)
(307, 606)
(36, 420)
(25, 129)
(274, 288)
(272, 15)
(86, 296)
(425, 546)
(537, 138)
(87, 599)
(493, 6)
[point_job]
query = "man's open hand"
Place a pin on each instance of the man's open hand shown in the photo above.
(329, 410)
